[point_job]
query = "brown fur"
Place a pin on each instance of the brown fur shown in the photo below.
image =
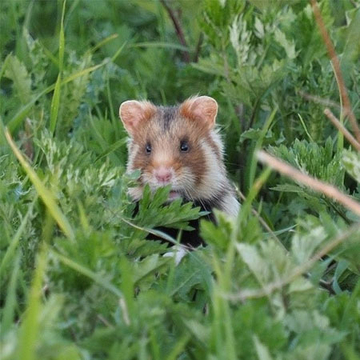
(134, 112)
(181, 128)
(214, 147)
(185, 109)
(202, 109)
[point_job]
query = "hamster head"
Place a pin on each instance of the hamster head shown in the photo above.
(176, 146)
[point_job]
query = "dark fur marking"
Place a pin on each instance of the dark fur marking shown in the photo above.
(214, 147)
(215, 202)
(169, 114)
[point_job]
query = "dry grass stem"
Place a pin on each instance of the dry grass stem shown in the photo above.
(342, 129)
(314, 184)
(104, 321)
(178, 28)
(319, 100)
(336, 64)
(298, 271)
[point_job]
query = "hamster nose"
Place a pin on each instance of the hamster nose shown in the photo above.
(163, 174)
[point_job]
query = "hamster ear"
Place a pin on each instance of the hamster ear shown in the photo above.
(202, 108)
(132, 113)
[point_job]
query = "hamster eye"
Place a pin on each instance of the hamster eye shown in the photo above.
(184, 146)
(148, 148)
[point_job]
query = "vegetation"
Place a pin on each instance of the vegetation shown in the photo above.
(79, 279)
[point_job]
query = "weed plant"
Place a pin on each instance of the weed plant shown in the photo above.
(79, 277)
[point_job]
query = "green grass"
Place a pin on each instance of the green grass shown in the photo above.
(80, 279)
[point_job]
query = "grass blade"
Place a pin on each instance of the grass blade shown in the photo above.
(55, 102)
(15, 241)
(103, 42)
(2, 132)
(10, 304)
(253, 161)
(88, 273)
(159, 44)
(4, 66)
(62, 39)
(16, 121)
(114, 57)
(30, 327)
(46, 195)
(83, 72)
(112, 148)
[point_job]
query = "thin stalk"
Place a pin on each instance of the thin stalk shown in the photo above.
(337, 70)
(314, 184)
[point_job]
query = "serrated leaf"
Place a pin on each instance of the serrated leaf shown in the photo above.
(17, 72)
(259, 28)
(198, 330)
(303, 246)
(351, 162)
(288, 46)
(299, 285)
(261, 350)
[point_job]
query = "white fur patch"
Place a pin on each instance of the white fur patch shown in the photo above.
(215, 175)
(216, 138)
(230, 205)
(177, 252)
(132, 152)
(136, 193)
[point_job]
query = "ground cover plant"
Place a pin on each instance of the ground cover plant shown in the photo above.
(79, 278)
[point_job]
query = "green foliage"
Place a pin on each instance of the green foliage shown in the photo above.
(351, 163)
(17, 73)
(80, 278)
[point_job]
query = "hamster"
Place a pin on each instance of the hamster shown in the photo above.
(180, 146)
